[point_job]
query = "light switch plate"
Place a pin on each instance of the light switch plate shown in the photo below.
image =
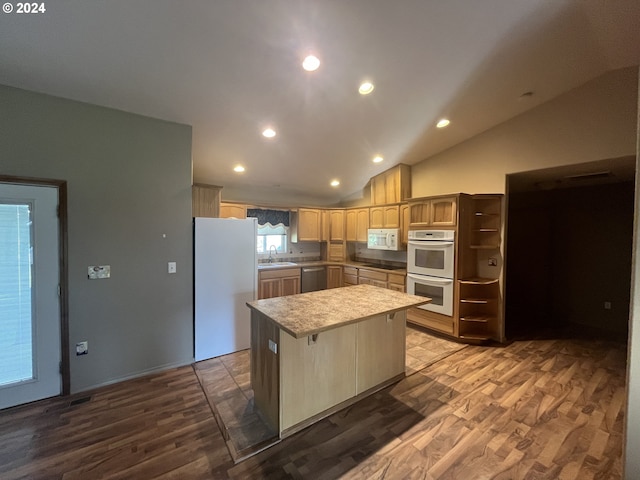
(99, 271)
(171, 267)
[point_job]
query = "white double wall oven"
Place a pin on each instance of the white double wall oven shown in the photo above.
(430, 268)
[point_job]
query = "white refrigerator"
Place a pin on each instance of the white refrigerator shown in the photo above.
(225, 278)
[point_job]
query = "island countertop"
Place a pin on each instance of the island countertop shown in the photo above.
(314, 312)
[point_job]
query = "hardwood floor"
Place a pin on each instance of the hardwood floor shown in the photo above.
(538, 409)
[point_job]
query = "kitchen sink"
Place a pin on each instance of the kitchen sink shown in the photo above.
(277, 264)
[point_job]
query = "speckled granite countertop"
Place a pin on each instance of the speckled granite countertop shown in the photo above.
(322, 263)
(314, 312)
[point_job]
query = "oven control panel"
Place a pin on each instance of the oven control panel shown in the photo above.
(442, 235)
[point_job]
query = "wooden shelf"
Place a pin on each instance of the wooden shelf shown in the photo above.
(479, 301)
(477, 318)
(478, 281)
(485, 247)
(475, 338)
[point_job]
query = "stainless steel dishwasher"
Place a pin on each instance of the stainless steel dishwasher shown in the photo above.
(313, 278)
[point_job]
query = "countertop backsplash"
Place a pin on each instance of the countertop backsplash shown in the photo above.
(298, 252)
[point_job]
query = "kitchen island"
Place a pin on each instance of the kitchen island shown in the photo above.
(315, 353)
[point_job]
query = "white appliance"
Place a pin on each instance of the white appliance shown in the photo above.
(439, 290)
(430, 252)
(225, 278)
(430, 268)
(383, 238)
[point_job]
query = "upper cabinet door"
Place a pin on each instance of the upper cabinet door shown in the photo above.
(391, 186)
(357, 223)
(205, 201)
(337, 225)
(433, 212)
(362, 224)
(443, 212)
(387, 216)
(309, 225)
(351, 221)
(233, 210)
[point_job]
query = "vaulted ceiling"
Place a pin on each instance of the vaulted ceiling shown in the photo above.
(230, 68)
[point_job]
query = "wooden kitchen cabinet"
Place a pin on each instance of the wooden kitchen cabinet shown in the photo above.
(336, 222)
(325, 226)
(478, 308)
(396, 282)
(233, 210)
(372, 277)
(306, 225)
(357, 223)
(205, 201)
(377, 278)
(443, 212)
(404, 223)
(385, 216)
(433, 212)
(334, 276)
(478, 294)
(337, 252)
(278, 282)
(485, 224)
(391, 186)
(350, 276)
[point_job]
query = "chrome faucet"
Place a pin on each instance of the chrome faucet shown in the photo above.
(276, 252)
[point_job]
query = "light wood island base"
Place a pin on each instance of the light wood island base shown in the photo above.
(315, 353)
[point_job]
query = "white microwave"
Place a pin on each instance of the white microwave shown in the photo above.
(383, 238)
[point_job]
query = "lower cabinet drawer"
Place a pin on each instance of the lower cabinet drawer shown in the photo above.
(350, 279)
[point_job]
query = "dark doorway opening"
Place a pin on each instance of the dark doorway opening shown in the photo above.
(568, 246)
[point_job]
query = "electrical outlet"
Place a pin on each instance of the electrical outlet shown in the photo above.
(171, 267)
(607, 305)
(273, 346)
(82, 348)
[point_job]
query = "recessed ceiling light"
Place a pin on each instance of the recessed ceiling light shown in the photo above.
(442, 123)
(377, 159)
(269, 132)
(335, 183)
(238, 169)
(310, 63)
(366, 88)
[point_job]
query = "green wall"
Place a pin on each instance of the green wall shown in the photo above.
(129, 206)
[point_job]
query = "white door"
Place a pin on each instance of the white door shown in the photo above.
(30, 341)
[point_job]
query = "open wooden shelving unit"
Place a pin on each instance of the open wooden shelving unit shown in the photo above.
(485, 229)
(479, 309)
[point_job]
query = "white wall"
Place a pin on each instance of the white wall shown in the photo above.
(593, 122)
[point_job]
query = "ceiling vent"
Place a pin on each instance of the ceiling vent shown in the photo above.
(589, 176)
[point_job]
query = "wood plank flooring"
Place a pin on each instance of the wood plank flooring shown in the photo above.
(536, 409)
(226, 382)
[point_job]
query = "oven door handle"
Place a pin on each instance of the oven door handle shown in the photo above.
(422, 279)
(430, 243)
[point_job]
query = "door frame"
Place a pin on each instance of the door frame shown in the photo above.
(61, 186)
